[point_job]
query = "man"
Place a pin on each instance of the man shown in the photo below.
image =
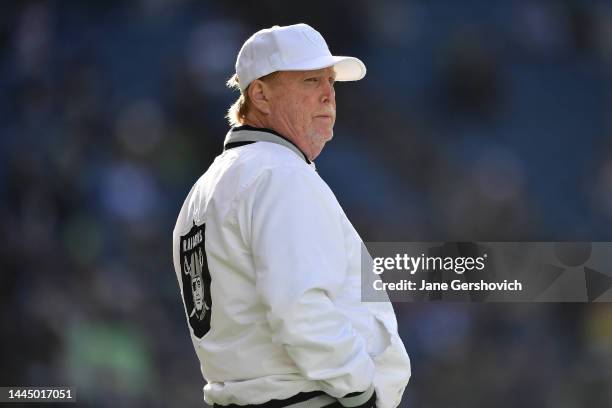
(267, 262)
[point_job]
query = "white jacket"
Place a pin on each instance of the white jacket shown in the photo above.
(269, 270)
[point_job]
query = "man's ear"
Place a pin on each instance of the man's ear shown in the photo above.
(259, 93)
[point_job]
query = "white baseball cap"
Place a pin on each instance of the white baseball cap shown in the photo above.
(297, 47)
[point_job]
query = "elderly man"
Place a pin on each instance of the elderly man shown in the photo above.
(267, 262)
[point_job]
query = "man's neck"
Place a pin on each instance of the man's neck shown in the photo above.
(246, 126)
(256, 121)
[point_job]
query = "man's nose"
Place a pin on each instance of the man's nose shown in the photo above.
(329, 93)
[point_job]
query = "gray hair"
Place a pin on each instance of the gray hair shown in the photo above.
(237, 112)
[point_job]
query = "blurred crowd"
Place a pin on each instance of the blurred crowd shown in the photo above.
(477, 120)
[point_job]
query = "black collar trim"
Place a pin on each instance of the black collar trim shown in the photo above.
(248, 127)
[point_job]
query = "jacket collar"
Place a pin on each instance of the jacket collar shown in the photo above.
(245, 133)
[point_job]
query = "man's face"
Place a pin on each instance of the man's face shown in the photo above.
(303, 107)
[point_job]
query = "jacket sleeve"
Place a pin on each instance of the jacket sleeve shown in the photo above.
(298, 249)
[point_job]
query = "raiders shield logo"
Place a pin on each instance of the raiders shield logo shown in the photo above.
(196, 280)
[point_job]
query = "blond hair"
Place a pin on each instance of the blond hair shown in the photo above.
(237, 112)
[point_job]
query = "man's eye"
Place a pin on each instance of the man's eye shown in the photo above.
(311, 79)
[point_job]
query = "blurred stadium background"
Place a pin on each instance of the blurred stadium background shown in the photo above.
(478, 120)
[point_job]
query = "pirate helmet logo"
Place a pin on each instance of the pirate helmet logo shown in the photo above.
(193, 268)
(196, 280)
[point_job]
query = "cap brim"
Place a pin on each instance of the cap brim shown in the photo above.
(347, 68)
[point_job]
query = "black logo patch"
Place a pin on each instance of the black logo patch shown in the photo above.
(196, 280)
